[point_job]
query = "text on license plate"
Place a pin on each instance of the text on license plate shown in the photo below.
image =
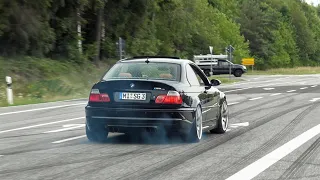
(133, 96)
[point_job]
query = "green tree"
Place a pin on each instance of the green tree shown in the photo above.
(25, 28)
(304, 35)
(278, 33)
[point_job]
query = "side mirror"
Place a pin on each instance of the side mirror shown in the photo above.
(215, 82)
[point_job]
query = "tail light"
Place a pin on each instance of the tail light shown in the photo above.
(95, 96)
(172, 97)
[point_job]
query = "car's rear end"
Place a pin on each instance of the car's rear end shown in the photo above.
(137, 95)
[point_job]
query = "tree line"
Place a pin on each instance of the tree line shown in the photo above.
(278, 33)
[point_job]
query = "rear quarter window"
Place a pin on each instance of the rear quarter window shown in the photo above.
(191, 76)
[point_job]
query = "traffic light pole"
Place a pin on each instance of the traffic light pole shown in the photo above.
(211, 71)
(230, 49)
(230, 65)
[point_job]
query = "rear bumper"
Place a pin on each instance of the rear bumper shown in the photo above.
(124, 119)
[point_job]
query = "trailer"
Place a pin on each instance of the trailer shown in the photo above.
(218, 64)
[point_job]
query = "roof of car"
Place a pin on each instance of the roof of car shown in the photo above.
(156, 59)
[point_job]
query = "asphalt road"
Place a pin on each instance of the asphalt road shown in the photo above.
(274, 134)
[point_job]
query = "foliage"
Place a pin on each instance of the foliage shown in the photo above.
(45, 79)
(278, 33)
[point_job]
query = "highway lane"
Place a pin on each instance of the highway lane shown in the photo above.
(46, 141)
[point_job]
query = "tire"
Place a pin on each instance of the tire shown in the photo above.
(223, 120)
(97, 135)
(195, 133)
(238, 73)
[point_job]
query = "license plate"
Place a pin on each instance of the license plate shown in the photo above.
(133, 96)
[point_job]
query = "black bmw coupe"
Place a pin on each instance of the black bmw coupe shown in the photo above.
(153, 93)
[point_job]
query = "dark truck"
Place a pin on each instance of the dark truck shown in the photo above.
(219, 65)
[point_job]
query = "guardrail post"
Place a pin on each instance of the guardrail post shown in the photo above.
(9, 90)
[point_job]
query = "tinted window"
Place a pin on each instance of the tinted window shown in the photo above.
(192, 77)
(152, 70)
(223, 63)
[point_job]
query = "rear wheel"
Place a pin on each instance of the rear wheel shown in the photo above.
(238, 73)
(195, 133)
(97, 134)
(223, 120)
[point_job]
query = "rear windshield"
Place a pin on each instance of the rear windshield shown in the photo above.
(152, 70)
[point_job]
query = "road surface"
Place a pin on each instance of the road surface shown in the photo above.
(273, 134)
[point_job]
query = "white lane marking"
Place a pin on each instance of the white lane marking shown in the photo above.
(39, 109)
(268, 160)
(48, 103)
(315, 99)
(314, 86)
(206, 111)
(40, 125)
(72, 125)
(291, 91)
(69, 139)
(265, 85)
(237, 90)
(66, 128)
(205, 127)
(213, 106)
(1, 155)
(233, 103)
(254, 82)
(228, 130)
(245, 124)
(275, 94)
(255, 98)
(304, 88)
(281, 83)
(268, 89)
